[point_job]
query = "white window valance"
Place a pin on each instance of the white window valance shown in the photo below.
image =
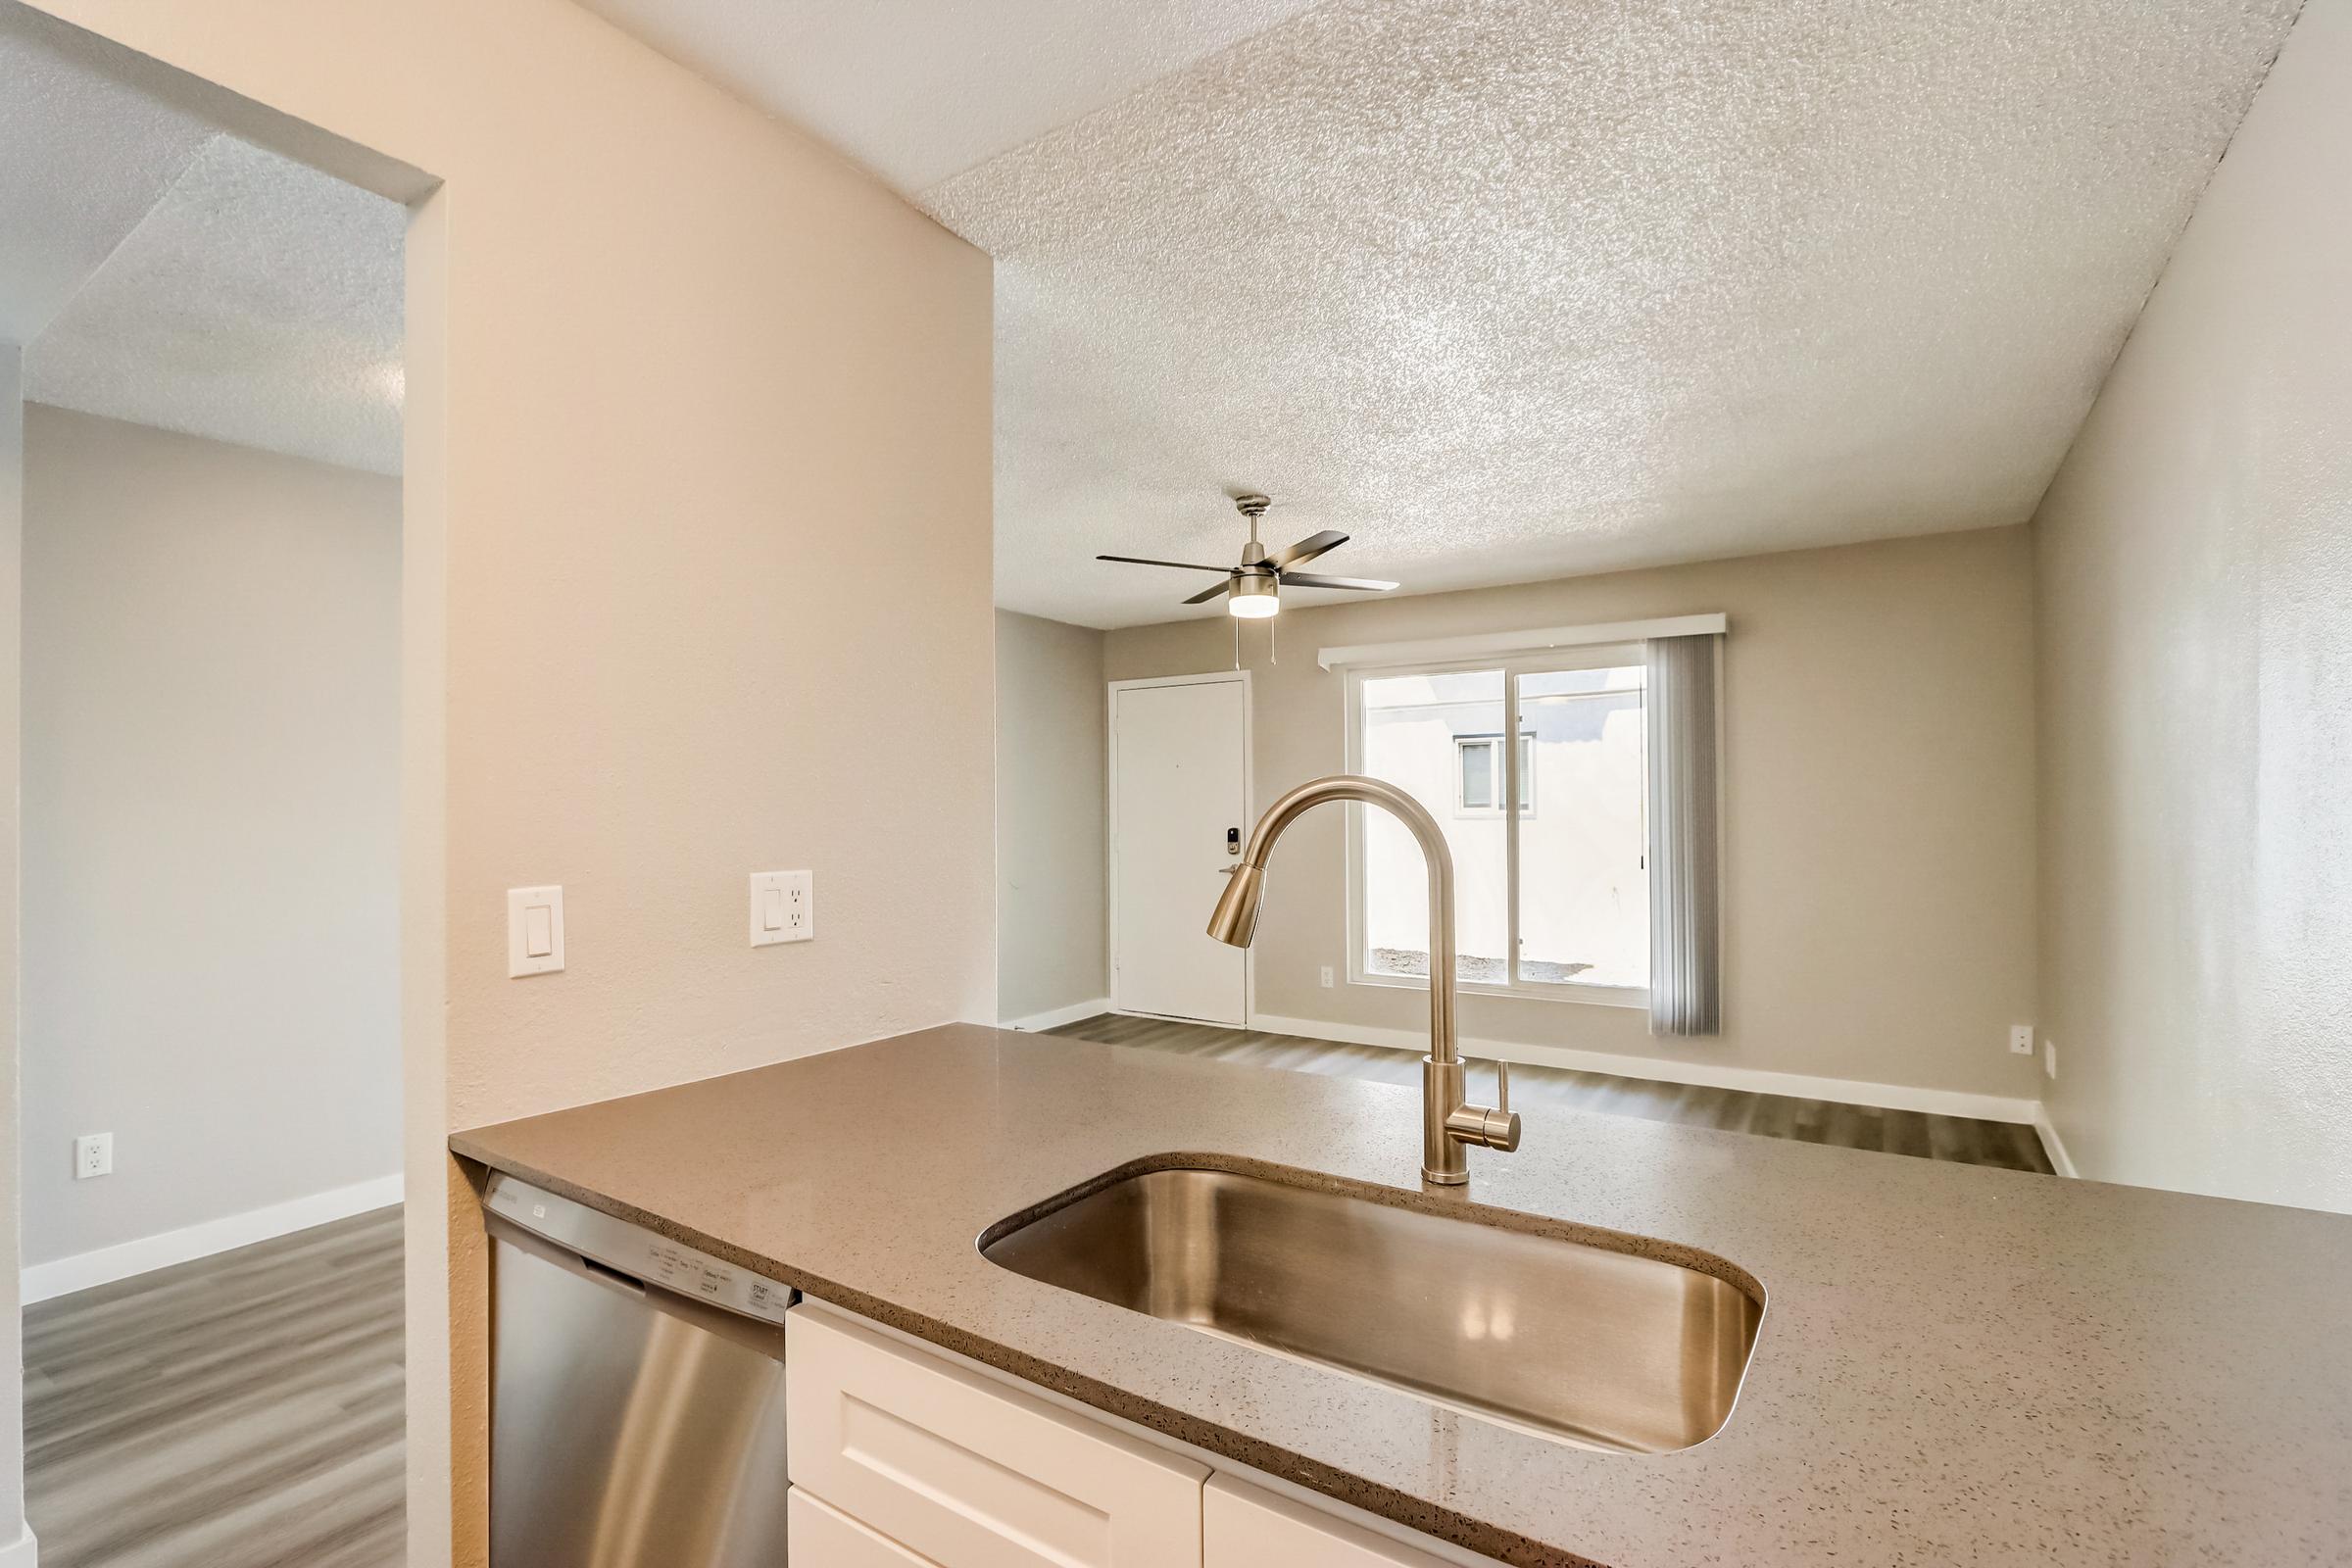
(1440, 650)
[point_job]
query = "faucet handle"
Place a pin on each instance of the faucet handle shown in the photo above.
(1504, 1137)
(1497, 1128)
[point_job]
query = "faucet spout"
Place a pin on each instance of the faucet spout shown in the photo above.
(1449, 1121)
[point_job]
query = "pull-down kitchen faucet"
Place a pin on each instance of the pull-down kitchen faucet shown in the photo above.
(1448, 1121)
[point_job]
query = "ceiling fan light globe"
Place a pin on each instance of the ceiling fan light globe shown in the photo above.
(1253, 598)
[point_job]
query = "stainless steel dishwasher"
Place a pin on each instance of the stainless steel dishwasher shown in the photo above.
(637, 1396)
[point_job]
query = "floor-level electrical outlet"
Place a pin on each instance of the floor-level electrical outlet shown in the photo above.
(2049, 1058)
(783, 908)
(1327, 977)
(93, 1155)
(2021, 1039)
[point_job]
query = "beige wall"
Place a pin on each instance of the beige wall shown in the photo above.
(1878, 809)
(2196, 698)
(212, 829)
(696, 509)
(1050, 802)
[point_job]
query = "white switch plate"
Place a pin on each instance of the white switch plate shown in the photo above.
(534, 931)
(2049, 1058)
(2021, 1039)
(783, 908)
(93, 1155)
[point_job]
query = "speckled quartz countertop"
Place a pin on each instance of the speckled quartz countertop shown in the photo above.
(1957, 1365)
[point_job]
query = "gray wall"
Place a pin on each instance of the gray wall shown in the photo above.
(1879, 805)
(1050, 799)
(12, 1368)
(211, 811)
(2195, 559)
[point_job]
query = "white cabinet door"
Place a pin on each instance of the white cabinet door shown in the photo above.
(822, 1538)
(1245, 1526)
(971, 1474)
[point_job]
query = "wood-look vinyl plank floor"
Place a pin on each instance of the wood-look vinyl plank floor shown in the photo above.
(239, 1411)
(1959, 1139)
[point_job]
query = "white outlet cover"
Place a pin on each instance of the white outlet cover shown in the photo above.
(93, 1155)
(2021, 1039)
(783, 908)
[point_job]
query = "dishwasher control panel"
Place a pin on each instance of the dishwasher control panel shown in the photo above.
(636, 1252)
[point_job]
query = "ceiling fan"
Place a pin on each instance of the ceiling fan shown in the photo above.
(1255, 585)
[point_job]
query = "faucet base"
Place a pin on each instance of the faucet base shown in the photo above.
(1451, 1124)
(1443, 1088)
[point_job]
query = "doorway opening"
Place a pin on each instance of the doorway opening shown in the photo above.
(203, 348)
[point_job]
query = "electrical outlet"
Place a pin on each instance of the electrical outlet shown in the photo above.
(783, 908)
(93, 1155)
(2021, 1039)
(1327, 977)
(2049, 1058)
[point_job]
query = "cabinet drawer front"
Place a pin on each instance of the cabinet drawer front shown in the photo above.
(824, 1538)
(969, 1473)
(1244, 1525)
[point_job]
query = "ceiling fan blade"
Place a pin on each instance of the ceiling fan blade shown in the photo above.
(1180, 566)
(1308, 548)
(1206, 594)
(1301, 579)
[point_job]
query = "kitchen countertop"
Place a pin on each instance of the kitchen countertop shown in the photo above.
(1956, 1365)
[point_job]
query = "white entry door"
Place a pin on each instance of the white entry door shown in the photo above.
(1179, 796)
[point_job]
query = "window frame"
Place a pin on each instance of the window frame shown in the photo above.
(1527, 766)
(1534, 661)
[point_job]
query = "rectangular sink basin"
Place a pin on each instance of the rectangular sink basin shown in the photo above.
(1581, 1340)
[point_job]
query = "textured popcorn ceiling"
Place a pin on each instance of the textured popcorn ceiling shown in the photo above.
(917, 90)
(259, 302)
(1510, 289)
(161, 272)
(81, 161)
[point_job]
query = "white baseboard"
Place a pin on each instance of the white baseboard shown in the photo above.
(65, 1275)
(21, 1552)
(2052, 1144)
(1658, 1069)
(1055, 1018)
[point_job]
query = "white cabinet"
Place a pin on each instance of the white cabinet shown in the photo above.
(957, 1470)
(825, 1538)
(1245, 1526)
(904, 1457)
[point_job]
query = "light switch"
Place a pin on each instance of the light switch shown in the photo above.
(534, 931)
(783, 908)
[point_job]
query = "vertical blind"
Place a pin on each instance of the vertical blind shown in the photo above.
(1685, 926)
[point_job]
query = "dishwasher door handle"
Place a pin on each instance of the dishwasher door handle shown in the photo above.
(612, 1276)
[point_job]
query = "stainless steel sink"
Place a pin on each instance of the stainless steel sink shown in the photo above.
(1577, 1339)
